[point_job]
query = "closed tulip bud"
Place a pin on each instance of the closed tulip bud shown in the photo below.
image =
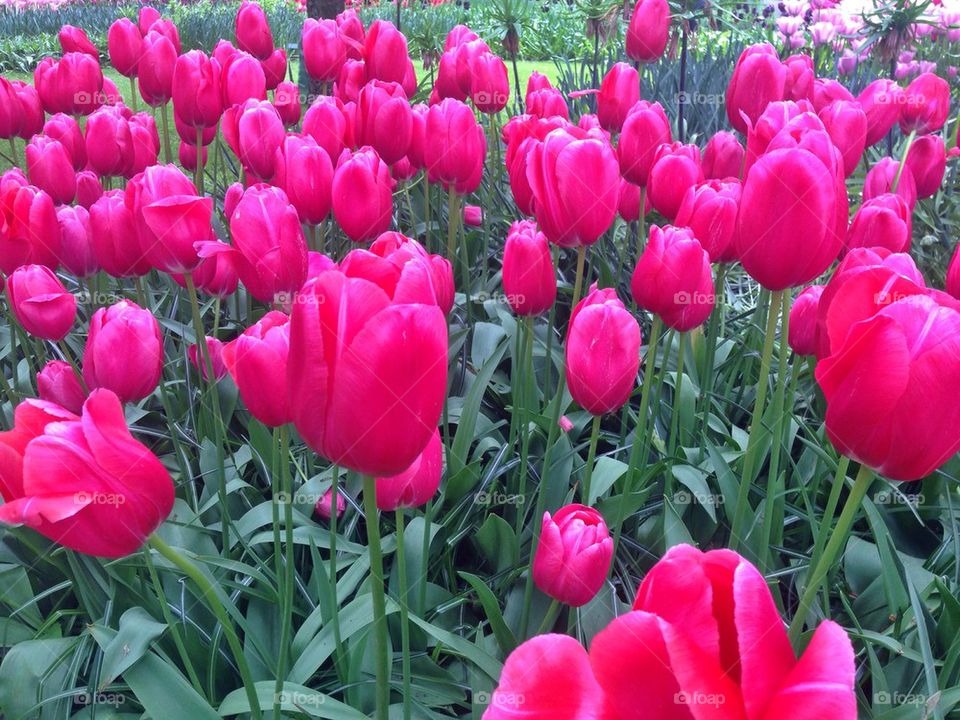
(846, 123)
(953, 275)
(41, 303)
(547, 103)
(109, 143)
(266, 232)
(253, 31)
(723, 157)
(324, 51)
(529, 278)
(673, 280)
(188, 133)
(124, 351)
(628, 206)
(11, 110)
(648, 30)
(489, 86)
(416, 485)
(324, 506)
(883, 221)
(119, 492)
(304, 171)
(881, 101)
(781, 241)
(900, 363)
(576, 187)
(883, 174)
(58, 383)
(146, 18)
(827, 91)
(286, 99)
(326, 121)
(352, 32)
(196, 90)
(645, 129)
(274, 68)
(373, 406)
(573, 555)
(447, 84)
(89, 188)
(800, 78)
(146, 142)
(926, 104)
(803, 321)
(758, 79)
(158, 58)
(927, 162)
(473, 216)
(31, 110)
(675, 170)
(50, 169)
(384, 120)
(74, 39)
(65, 130)
(124, 45)
(259, 135)
(710, 212)
(216, 275)
(456, 147)
(168, 29)
(69, 85)
(603, 352)
(257, 362)
(115, 237)
(619, 92)
(76, 241)
(31, 234)
(385, 52)
(362, 195)
(352, 77)
(215, 348)
(242, 79)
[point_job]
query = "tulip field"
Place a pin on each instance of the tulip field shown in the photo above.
(499, 360)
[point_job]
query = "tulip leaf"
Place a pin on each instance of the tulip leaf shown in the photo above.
(491, 606)
(459, 453)
(605, 473)
(33, 672)
(293, 699)
(498, 542)
(462, 647)
(137, 632)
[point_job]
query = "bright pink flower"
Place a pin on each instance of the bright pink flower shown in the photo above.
(257, 362)
(417, 484)
(40, 302)
(573, 555)
(362, 195)
(124, 351)
(58, 383)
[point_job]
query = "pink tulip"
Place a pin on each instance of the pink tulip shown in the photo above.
(74, 39)
(648, 30)
(881, 177)
(31, 234)
(883, 221)
(158, 58)
(675, 170)
(58, 383)
(257, 362)
(645, 129)
(758, 79)
(241, 79)
(385, 52)
(573, 555)
(124, 351)
(76, 244)
(417, 484)
(362, 195)
(124, 45)
(274, 68)
(196, 90)
(40, 302)
(65, 130)
(50, 169)
(215, 348)
(803, 321)
(253, 31)
(384, 120)
(304, 171)
(326, 121)
(529, 278)
(927, 162)
(489, 84)
(31, 110)
(710, 211)
(881, 101)
(109, 143)
(286, 99)
(456, 147)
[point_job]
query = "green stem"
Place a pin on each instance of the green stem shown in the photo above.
(208, 594)
(529, 398)
(165, 121)
(710, 353)
(550, 618)
(404, 615)
(425, 554)
(642, 231)
(903, 160)
(335, 601)
(286, 618)
(379, 625)
(14, 155)
(591, 457)
(198, 170)
(738, 540)
(830, 511)
(837, 538)
(453, 219)
(677, 391)
(427, 219)
(133, 93)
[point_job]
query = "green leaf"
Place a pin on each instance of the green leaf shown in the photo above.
(605, 473)
(293, 699)
(464, 438)
(137, 632)
(491, 606)
(32, 672)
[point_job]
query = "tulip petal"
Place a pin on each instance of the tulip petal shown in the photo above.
(39, 511)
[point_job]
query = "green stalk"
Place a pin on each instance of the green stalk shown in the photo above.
(198, 170)
(378, 596)
(677, 389)
(404, 615)
(903, 160)
(335, 601)
(738, 541)
(527, 415)
(165, 120)
(591, 457)
(286, 618)
(642, 231)
(427, 219)
(453, 219)
(133, 93)
(830, 511)
(838, 537)
(713, 329)
(550, 618)
(209, 595)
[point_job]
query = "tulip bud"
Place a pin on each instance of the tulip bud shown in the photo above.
(241, 79)
(119, 492)
(927, 162)
(846, 124)
(324, 506)
(158, 59)
(124, 351)
(417, 484)
(196, 90)
(827, 91)
(386, 52)
(31, 234)
(76, 244)
(257, 362)
(115, 237)
(881, 101)
(253, 31)
(573, 555)
(546, 103)
(215, 348)
(362, 195)
(803, 321)
(883, 174)
(31, 111)
(11, 110)
(456, 146)
(74, 39)
(274, 68)
(259, 134)
(109, 143)
(286, 99)
(352, 77)
(352, 32)
(124, 45)
(324, 51)
(58, 383)
(603, 352)
(384, 120)
(304, 171)
(645, 129)
(675, 170)
(41, 303)
(710, 211)
(619, 92)
(758, 79)
(953, 275)
(69, 85)
(648, 30)
(89, 188)
(529, 278)
(800, 78)
(489, 84)
(65, 130)
(883, 221)
(326, 121)
(216, 274)
(50, 169)
(146, 18)
(926, 104)
(146, 142)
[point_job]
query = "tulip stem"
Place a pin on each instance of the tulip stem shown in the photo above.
(404, 614)
(738, 539)
(640, 433)
(165, 121)
(551, 617)
(529, 383)
(208, 593)
(677, 392)
(642, 230)
(286, 618)
(198, 168)
(14, 155)
(591, 457)
(453, 217)
(334, 599)
(837, 538)
(710, 352)
(830, 511)
(903, 160)
(378, 597)
(133, 92)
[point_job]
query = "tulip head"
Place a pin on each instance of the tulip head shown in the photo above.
(124, 351)
(573, 555)
(40, 302)
(529, 278)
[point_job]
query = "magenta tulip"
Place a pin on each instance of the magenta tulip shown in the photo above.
(619, 92)
(710, 212)
(124, 351)
(40, 302)
(158, 58)
(362, 195)
(196, 90)
(304, 171)
(50, 169)
(109, 143)
(385, 52)
(675, 170)
(927, 162)
(115, 237)
(529, 278)
(124, 45)
(31, 234)
(253, 31)
(456, 146)
(257, 362)
(926, 104)
(645, 129)
(384, 120)
(573, 555)
(76, 243)
(648, 30)
(58, 383)
(722, 157)
(803, 321)
(883, 221)
(758, 79)
(416, 485)
(326, 121)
